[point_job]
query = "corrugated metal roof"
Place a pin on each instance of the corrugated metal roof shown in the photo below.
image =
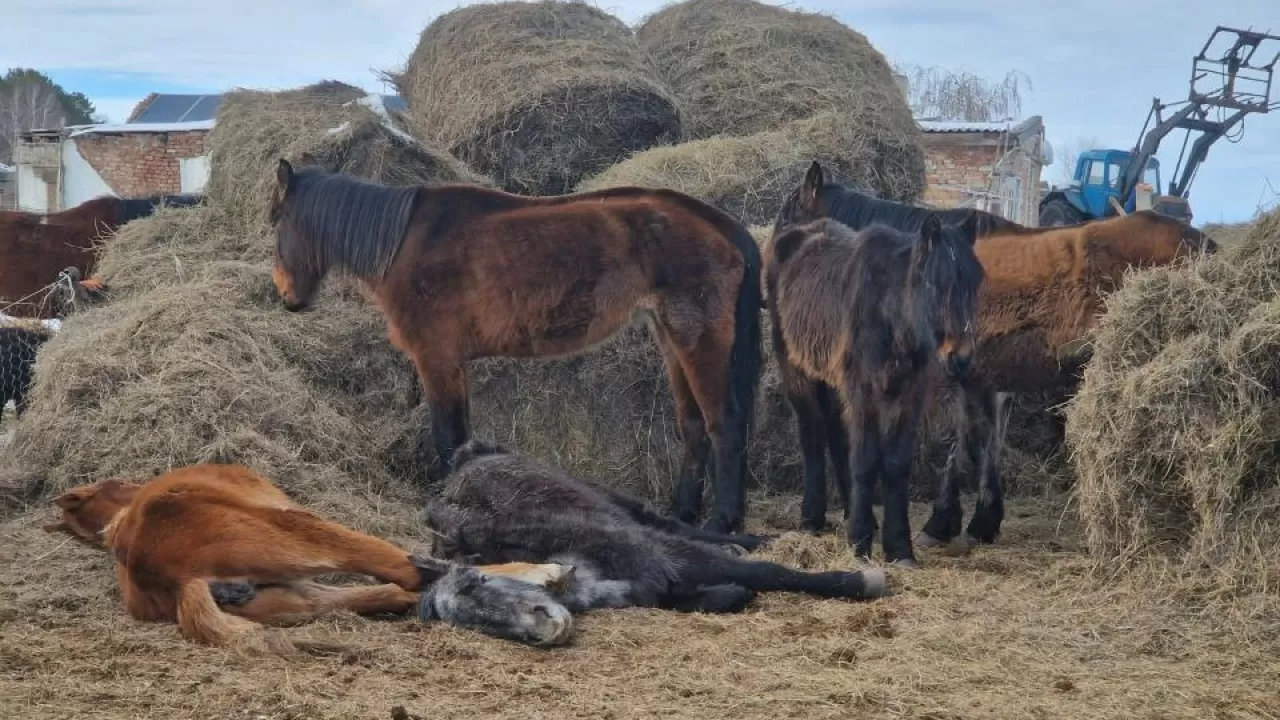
(139, 127)
(949, 126)
(173, 108)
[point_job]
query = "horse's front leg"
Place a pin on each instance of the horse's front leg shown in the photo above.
(864, 468)
(984, 526)
(964, 457)
(898, 441)
(448, 390)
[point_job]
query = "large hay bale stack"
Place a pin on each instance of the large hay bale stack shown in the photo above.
(194, 360)
(741, 67)
(1176, 427)
(749, 177)
(536, 94)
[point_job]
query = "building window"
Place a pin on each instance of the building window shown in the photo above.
(1011, 192)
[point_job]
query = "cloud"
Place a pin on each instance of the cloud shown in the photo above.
(1094, 64)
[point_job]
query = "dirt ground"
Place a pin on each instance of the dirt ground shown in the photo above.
(1024, 629)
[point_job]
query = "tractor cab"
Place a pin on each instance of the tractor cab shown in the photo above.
(1094, 191)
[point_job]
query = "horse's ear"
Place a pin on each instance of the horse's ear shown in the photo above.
(970, 226)
(812, 186)
(69, 500)
(284, 175)
(930, 229)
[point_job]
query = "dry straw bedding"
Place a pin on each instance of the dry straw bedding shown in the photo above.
(537, 95)
(1020, 630)
(1175, 428)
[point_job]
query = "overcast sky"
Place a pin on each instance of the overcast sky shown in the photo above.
(1094, 64)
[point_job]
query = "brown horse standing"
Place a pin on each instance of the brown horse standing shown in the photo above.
(1042, 292)
(462, 272)
(35, 248)
(871, 315)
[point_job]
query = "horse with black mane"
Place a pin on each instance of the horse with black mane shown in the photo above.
(499, 507)
(1042, 291)
(869, 317)
(34, 248)
(462, 272)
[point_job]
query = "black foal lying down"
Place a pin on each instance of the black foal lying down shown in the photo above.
(500, 506)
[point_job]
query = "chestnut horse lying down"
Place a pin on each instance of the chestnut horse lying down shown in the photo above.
(222, 552)
(500, 506)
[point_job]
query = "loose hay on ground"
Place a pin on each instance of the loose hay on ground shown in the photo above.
(1175, 428)
(536, 94)
(1019, 630)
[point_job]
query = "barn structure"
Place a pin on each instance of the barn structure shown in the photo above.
(993, 166)
(160, 149)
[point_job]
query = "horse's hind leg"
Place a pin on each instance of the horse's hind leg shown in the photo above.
(837, 441)
(299, 602)
(803, 396)
(707, 364)
(686, 504)
(448, 397)
(286, 544)
(984, 526)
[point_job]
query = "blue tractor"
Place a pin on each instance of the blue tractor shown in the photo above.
(1117, 182)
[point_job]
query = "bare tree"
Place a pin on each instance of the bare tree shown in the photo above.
(938, 94)
(1067, 154)
(26, 106)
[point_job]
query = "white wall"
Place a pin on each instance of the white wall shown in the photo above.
(33, 193)
(80, 182)
(193, 173)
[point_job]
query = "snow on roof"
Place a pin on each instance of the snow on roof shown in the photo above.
(142, 128)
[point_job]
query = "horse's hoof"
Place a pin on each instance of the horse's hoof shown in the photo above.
(981, 539)
(875, 582)
(960, 546)
(906, 564)
(925, 540)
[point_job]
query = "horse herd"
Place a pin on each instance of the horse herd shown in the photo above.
(878, 310)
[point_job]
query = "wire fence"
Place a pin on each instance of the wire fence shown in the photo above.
(22, 337)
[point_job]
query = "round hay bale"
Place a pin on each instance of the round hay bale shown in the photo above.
(536, 94)
(332, 125)
(750, 176)
(1174, 430)
(741, 67)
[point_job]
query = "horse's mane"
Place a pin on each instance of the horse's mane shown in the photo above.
(129, 209)
(859, 210)
(350, 222)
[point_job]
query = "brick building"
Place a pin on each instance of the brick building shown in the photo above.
(161, 150)
(991, 166)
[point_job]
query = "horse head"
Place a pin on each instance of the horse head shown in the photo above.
(950, 275)
(87, 510)
(294, 273)
(497, 605)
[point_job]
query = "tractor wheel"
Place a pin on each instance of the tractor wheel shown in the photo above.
(1059, 212)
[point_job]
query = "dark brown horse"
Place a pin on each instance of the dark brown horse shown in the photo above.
(35, 248)
(871, 315)
(1042, 292)
(461, 272)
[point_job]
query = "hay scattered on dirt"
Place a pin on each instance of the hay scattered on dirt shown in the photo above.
(1018, 630)
(536, 94)
(749, 177)
(741, 67)
(1176, 425)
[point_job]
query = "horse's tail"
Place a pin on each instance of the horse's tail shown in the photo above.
(747, 355)
(473, 449)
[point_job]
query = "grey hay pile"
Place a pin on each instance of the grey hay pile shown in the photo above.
(764, 92)
(750, 176)
(537, 95)
(741, 67)
(1176, 428)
